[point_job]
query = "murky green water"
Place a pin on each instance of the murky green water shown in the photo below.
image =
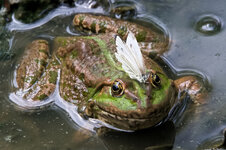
(190, 49)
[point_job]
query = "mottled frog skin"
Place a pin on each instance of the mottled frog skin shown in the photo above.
(89, 74)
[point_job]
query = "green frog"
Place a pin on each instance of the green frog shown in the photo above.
(93, 73)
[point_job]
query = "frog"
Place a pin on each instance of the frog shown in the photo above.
(88, 71)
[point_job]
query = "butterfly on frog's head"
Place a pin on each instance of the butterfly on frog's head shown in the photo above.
(130, 56)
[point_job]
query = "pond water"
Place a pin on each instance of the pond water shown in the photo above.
(197, 34)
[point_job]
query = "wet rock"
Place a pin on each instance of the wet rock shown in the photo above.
(123, 9)
(26, 11)
(6, 56)
(3, 16)
(30, 11)
(124, 12)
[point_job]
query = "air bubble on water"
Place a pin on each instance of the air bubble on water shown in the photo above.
(208, 24)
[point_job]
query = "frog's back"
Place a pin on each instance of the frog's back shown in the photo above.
(91, 58)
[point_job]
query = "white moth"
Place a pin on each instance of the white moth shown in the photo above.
(130, 56)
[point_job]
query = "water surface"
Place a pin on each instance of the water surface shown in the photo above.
(190, 49)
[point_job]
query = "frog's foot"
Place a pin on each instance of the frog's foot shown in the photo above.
(149, 40)
(36, 76)
(193, 86)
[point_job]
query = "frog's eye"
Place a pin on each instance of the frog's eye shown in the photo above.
(155, 80)
(117, 88)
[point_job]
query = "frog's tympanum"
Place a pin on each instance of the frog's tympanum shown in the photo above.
(108, 74)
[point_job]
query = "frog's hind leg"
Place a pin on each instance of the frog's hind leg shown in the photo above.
(150, 40)
(36, 77)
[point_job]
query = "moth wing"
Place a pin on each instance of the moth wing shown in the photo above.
(127, 56)
(132, 43)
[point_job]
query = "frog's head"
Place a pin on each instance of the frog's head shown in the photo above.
(129, 104)
(139, 99)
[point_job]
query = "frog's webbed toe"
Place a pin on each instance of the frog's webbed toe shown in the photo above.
(36, 76)
(194, 87)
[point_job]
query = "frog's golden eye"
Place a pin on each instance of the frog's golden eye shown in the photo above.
(117, 88)
(155, 80)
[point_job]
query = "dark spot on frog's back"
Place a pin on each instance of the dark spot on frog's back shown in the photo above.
(102, 26)
(141, 36)
(42, 97)
(74, 53)
(93, 26)
(81, 18)
(122, 30)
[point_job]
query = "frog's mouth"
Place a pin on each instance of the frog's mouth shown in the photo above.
(135, 119)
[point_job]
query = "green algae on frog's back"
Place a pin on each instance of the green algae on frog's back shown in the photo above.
(53, 77)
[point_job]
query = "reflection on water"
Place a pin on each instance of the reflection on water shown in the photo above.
(161, 137)
(51, 129)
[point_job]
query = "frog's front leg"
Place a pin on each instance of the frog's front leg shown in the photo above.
(193, 86)
(148, 39)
